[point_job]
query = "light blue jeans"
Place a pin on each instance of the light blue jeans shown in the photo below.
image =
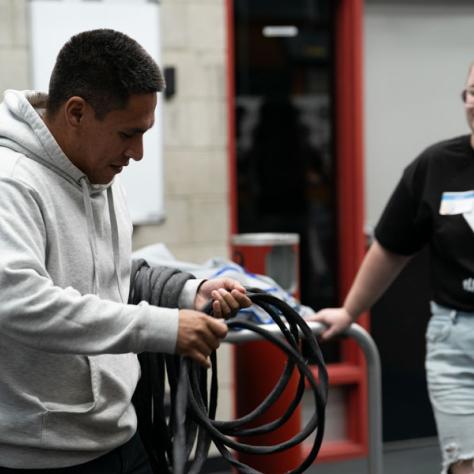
(450, 376)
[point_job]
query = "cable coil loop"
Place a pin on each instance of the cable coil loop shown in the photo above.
(189, 426)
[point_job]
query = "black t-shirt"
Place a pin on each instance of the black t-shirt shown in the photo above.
(434, 204)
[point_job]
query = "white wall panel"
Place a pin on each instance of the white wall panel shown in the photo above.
(52, 23)
(416, 61)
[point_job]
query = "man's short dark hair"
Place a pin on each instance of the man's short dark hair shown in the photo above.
(104, 67)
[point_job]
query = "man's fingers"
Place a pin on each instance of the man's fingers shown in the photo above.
(243, 300)
(228, 293)
(231, 302)
(231, 284)
(208, 334)
(199, 335)
(200, 359)
(206, 344)
(218, 328)
(219, 295)
(216, 309)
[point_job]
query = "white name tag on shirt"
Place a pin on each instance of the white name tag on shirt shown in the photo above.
(453, 203)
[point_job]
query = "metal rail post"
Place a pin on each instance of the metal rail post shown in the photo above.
(374, 409)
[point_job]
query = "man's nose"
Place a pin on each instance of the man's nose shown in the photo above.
(135, 150)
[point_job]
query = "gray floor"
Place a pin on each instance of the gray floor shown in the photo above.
(408, 457)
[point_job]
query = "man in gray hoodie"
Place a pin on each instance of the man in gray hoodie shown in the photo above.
(68, 338)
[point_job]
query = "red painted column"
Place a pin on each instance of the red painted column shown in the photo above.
(349, 139)
(231, 145)
(349, 132)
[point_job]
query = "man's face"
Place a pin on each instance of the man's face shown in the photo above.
(103, 147)
(469, 102)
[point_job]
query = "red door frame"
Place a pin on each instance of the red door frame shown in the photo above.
(348, 131)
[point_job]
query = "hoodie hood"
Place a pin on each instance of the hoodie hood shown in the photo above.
(23, 129)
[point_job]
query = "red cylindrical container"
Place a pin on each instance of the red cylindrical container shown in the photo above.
(258, 365)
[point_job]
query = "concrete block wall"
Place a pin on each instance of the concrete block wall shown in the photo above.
(195, 133)
(14, 55)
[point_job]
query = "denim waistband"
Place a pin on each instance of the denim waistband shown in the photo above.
(439, 310)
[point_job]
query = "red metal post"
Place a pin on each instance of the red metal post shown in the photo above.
(350, 179)
(231, 146)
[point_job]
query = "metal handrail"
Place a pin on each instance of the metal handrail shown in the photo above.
(374, 389)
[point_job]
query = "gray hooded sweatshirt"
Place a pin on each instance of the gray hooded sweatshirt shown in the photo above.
(68, 340)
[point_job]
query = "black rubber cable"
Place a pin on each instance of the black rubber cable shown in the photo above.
(170, 435)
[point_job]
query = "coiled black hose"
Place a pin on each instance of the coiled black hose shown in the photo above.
(169, 436)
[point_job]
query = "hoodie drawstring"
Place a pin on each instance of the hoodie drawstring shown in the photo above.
(115, 238)
(92, 238)
(91, 232)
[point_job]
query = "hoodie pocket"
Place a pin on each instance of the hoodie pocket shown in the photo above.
(21, 424)
(63, 420)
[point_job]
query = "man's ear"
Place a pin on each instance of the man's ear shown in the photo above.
(74, 111)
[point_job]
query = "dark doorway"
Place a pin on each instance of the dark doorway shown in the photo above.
(284, 108)
(398, 327)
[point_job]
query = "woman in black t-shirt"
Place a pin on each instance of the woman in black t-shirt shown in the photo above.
(432, 205)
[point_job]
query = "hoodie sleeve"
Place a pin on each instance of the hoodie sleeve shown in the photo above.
(37, 313)
(162, 286)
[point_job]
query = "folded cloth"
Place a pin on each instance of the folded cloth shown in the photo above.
(159, 254)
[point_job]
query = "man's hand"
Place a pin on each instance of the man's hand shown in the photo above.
(228, 297)
(336, 320)
(199, 335)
